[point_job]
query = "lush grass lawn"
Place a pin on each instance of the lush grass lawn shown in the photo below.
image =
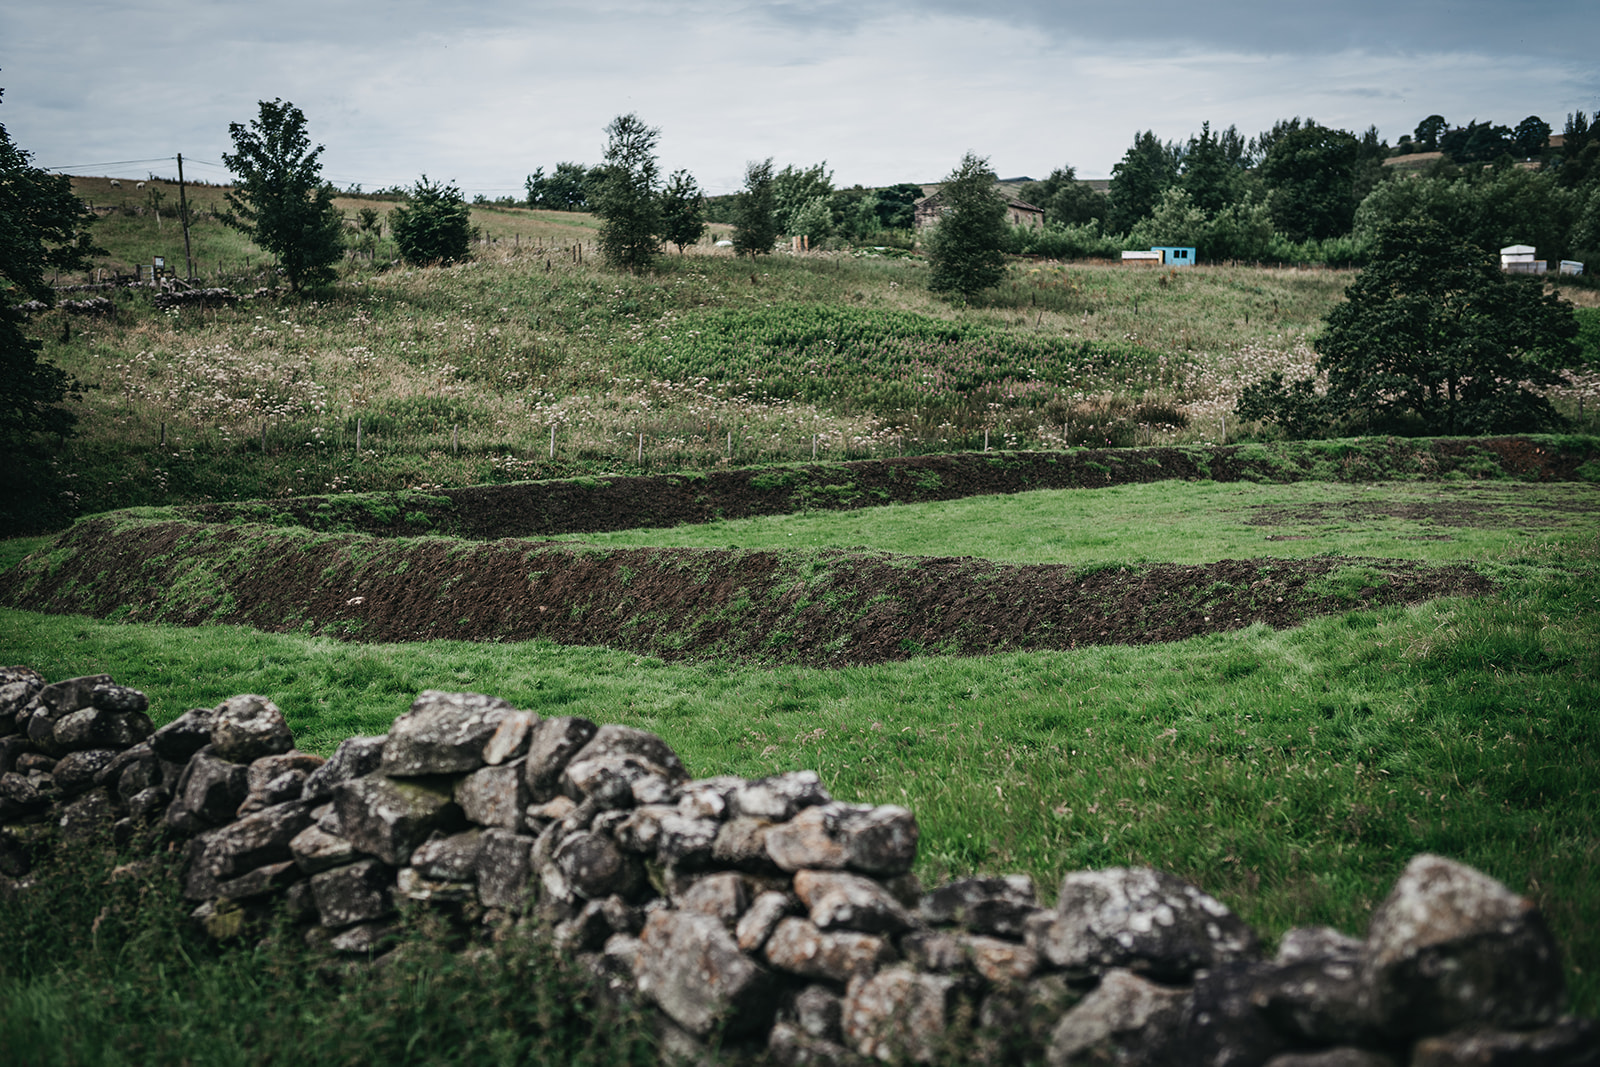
(1179, 522)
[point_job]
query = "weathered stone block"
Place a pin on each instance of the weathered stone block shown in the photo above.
(89, 814)
(356, 757)
(684, 842)
(494, 796)
(257, 840)
(595, 867)
(510, 737)
(617, 781)
(1316, 943)
(900, 1013)
(838, 900)
(209, 792)
(1452, 947)
(260, 882)
(551, 746)
(184, 736)
(449, 857)
(1317, 999)
(875, 840)
(762, 917)
(741, 843)
(691, 967)
(790, 1046)
(387, 818)
(1000, 962)
(93, 728)
(798, 947)
(1565, 1043)
(723, 896)
(119, 699)
(614, 740)
(354, 893)
(365, 939)
(997, 906)
(314, 850)
(279, 778)
(1141, 919)
(76, 772)
(1127, 1019)
(71, 694)
(504, 868)
(248, 727)
(780, 797)
(443, 733)
(414, 885)
(707, 798)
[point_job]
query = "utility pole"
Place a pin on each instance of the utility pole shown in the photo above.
(183, 209)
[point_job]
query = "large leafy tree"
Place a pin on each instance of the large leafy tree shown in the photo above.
(281, 201)
(43, 227)
(1066, 201)
(1432, 338)
(796, 190)
(755, 221)
(1147, 169)
(965, 249)
(1310, 175)
(434, 225)
(683, 210)
(1213, 168)
(630, 214)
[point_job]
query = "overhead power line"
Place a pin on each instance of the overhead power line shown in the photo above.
(113, 163)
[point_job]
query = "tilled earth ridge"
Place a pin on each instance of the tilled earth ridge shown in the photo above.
(595, 505)
(820, 608)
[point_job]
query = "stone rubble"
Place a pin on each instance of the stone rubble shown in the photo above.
(761, 917)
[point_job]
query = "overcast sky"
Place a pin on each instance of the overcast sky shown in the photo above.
(480, 92)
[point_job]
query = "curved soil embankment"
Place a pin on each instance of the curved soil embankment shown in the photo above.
(593, 505)
(823, 608)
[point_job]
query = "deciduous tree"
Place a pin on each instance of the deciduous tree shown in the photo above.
(1310, 175)
(1147, 169)
(1066, 201)
(755, 224)
(1432, 338)
(683, 210)
(43, 227)
(281, 201)
(626, 201)
(965, 248)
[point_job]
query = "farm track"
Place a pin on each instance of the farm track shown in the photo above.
(597, 505)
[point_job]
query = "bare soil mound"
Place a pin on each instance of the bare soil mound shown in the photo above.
(822, 608)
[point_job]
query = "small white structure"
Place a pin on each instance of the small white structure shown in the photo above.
(1518, 259)
(1142, 259)
(1572, 267)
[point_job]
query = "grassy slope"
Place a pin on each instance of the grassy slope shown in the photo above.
(1174, 522)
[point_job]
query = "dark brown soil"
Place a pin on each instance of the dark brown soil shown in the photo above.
(824, 608)
(591, 505)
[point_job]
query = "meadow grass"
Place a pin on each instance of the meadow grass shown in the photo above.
(1177, 522)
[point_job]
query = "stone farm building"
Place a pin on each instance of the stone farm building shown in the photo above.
(1018, 211)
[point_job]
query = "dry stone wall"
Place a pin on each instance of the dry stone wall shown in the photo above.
(761, 917)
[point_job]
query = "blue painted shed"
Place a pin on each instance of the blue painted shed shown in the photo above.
(1175, 255)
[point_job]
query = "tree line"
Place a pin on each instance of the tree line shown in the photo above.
(1304, 191)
